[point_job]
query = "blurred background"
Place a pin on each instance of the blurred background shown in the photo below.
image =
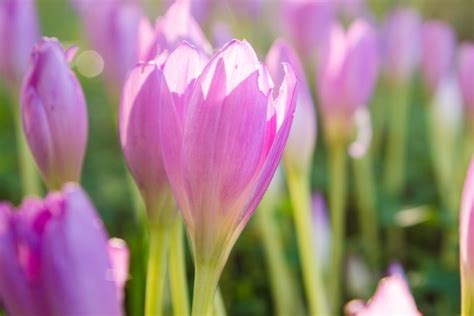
(419, 212)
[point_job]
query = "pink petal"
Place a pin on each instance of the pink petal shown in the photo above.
(119, 257)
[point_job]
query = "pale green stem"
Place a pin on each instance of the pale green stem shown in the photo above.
(283, 287)
(177, 270)
(205, 284)
(395, 157)
(156, 271)
(365, 190)
(219, 306)
(396, 151)
(443, 147)
(300, 194)
(337, 207)
(30, 184)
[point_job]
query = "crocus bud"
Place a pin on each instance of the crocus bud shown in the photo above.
(321, 229)
(222, 144)
(392, 298)
(200, 9)
(54, 258)
(175, 26)
(18, 33)
(466, 234)
(401, 44)
(466, 77)
(346, 75)
(54, 113)
(302, 140)
(306, 23)
(112, 29)
(438, 43)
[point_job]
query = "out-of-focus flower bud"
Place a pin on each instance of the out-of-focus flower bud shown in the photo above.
(346, 76)
(302, 140)
(466, 77)
(54, 258)
(306, 23)
(54, 113)
(438, 44)
(174, 27)
(401, 44)
(19, 31)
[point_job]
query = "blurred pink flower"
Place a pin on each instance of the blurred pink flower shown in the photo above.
(175, 26)
(466, 76)
(302, 140)
(307, 22)
(401, 44)
(54, 113)
(54, 258)
(112, 28)
(347, 73)
(19, 30)
(392, 298)
(438, 43)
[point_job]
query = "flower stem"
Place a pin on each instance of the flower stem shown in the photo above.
(177, 270)
(283, 287)
(29, 176)
(300, 196)
(205, 284)
(219, 306)
(157, 259)
(395, 169)
(337, 206)
(365, 190)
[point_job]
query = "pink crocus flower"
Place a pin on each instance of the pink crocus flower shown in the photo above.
(19, 30)
(54, 113)
(223, 134)
(438, 43)
(466, 77)
(347, 74)
(401, 44)
(54, 258)
(392, 298)
(302, 140)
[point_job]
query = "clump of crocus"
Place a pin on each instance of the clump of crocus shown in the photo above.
(466, 77)
(306, 23)
(466, 242)
(54, 113)
(19, 31)
(175, 26)
(392, 298)
(54, 258)
(401, 44)
(438, 44)
(302, 140)
(222, 138)
(346, 75)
